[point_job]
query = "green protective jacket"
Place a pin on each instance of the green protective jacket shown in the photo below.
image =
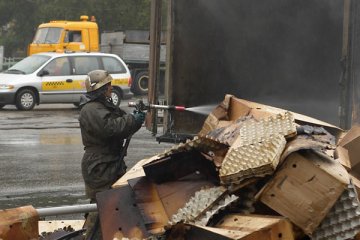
(103, 130)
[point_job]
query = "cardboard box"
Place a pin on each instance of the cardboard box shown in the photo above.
(305, 188)
(355, 180)
(342, 155)
(233, 108)
(19, 223)
(351, 142)
(256, 227)
(239, 227)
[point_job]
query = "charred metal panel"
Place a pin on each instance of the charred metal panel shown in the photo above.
(119, 214)
(149, 204)
(177, 165)
(284, 53)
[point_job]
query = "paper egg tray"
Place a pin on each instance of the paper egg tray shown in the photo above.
(256, 159)
(198, 204)
(343, 220)
(256, 131)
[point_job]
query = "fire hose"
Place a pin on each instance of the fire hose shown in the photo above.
(141, 106)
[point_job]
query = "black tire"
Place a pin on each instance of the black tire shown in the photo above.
(116, 97)
(25, 99)
(140, 85)
(2, 105)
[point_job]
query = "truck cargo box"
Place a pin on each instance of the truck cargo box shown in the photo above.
(284, 53)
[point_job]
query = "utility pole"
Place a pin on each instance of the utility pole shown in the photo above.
(349, 82)
(154, 60)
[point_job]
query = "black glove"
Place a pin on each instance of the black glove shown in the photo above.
(139, 117)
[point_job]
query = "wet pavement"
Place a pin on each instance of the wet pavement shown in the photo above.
(41, 151)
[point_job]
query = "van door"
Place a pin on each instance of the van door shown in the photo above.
(82, 65)
(57, 85)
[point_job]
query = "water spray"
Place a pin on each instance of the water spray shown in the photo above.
(203, 110)
(141, 106)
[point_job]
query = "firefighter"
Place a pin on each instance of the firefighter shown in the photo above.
(103, 130)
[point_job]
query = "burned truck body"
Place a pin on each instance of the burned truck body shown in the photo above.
(283, 53)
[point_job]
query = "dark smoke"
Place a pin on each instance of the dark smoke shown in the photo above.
(282, 52)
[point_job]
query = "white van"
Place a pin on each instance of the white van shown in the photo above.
(60, 78)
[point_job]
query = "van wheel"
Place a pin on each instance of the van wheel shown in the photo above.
(25, 100)
(2, 105)
(116, 97)
(141, 83)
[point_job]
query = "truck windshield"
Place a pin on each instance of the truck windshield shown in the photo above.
(28, 65)
(47, 35)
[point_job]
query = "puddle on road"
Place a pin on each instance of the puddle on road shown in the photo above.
(60, 139)
(45, 139)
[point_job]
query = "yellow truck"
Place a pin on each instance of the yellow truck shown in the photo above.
(131, 45)
(62, 36)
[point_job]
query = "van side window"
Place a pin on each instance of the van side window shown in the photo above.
(58, 67)
(113, 65)
(83, 64)
(73, 36)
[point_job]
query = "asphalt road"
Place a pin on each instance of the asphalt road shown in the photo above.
(41, 151)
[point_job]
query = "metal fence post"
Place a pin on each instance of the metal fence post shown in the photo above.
(1, 57)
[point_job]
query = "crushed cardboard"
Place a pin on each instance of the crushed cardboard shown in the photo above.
(350, 143)
(306, 187)
(289, 202)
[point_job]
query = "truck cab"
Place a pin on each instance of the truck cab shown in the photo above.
(59, 36)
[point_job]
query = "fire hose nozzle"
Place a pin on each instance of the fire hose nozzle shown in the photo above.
(140, 106)
(131, 104)
(180, 108)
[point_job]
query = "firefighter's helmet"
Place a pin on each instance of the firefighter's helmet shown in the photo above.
(96, 79)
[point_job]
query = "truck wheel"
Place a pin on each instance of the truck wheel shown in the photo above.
(141, 83)
(25, 100)
(116, 97)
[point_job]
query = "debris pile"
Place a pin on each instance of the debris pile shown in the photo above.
(252, 172)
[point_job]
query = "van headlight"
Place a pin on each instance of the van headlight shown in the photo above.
(6, 86)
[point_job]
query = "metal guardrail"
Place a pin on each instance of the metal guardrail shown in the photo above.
(8, 62)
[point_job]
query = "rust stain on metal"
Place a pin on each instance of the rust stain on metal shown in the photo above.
(119, 214)
(148, 202)
(19, 223)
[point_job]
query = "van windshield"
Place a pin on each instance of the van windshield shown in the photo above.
(28, 65)
(47, 35)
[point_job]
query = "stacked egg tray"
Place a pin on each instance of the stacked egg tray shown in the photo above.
(257, 150)
(227, 135)
(257, 131)
(202, 144)
(257, 159)
(198, 204)
(222, 205)
(343, 220)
